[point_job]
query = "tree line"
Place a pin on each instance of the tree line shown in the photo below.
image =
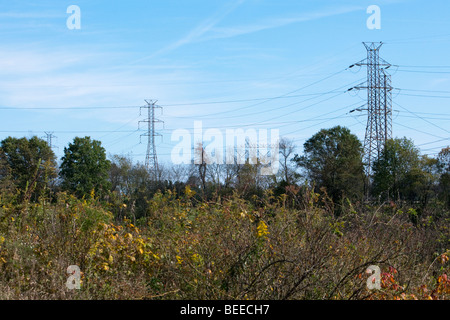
(331, 164)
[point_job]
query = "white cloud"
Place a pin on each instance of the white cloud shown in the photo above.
(195, 34)
(69, 78)
(23, 61)
(229, 32)
(30, 15)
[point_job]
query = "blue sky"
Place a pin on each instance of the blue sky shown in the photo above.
(235, 63)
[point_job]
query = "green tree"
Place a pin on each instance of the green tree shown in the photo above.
(85, 168)
(29, 163)
(420, 183)
(333, 160)
(5, 175)
(400, 173)
(119, 174)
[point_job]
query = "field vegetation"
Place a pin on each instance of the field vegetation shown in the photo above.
(224, 231)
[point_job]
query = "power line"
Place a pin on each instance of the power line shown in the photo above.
(165, 105)
(433, 114)
(429, 118)
(282, 107)
(263, 100)
(131, 132)
(334, 118)
(432, 142)
(427, 37)
(240, 100)
(68, 108)
(274, 98)
(67, 131)
(304, 139)
(114, 142)
(440, 148)
(423, 71)
(285, 123)
(326, 120)
(122, 126)
(336, 90)
(424, 96)
(431, 67)
(418, 90)
(416, 115)
(303, 108)
(415, 129)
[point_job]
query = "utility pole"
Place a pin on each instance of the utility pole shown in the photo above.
(379, 105)
(151, 159)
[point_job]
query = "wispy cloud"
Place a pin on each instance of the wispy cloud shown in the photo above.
(208, 30)
(69, 78)
(30, 15)
(202, 29)
(229, 32)
(22, 61)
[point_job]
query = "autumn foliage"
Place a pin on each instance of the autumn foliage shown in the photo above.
(286, 247)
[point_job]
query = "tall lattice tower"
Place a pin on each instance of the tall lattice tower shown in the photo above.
(379, 104)
(151, 159)
(49, 137)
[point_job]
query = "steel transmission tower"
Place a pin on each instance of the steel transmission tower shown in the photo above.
(49, 137)
(379, 104)
(151, 159)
